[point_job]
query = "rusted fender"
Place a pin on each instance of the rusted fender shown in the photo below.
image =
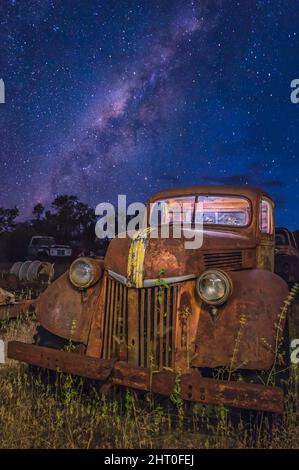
(193, 387)
(66, 311)
(243, 332)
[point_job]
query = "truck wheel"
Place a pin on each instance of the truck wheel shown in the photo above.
(46, 339)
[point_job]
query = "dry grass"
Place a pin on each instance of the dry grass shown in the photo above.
(33, 415)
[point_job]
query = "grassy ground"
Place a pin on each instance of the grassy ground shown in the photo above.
(33, 415)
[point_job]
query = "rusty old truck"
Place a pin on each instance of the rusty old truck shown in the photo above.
(153, 313)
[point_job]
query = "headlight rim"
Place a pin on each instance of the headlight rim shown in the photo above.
(94, 277)
(228, 283)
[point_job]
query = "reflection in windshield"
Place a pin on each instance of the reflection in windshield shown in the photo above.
(173, 211)
(212, 210)
(224, 210)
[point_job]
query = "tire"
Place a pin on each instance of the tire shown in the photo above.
(45, 339)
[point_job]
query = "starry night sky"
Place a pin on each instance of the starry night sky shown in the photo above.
(129, 97)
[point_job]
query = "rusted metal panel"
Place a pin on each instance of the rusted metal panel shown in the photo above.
(188, 313)
(106, 318)
(170, 254)
(265, 255)
(66, 311)
(149, 322)
(242, 334)
(198, 389)
(110, 319)
(133, 327)
(142, 319)
(161, 333)
(53, 359)
(114, 313)
(95, 339)
(193, 386)
(249, 192)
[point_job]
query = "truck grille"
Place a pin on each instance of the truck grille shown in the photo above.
(154, 316)
(229, 260)
(156, 312)
(115, 317)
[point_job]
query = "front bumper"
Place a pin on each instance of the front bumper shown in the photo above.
(193, 387)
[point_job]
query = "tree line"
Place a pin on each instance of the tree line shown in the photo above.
(68, 220)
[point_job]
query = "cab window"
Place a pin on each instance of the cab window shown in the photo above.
(266, 217)
(209, 210)
(173, 211)
(223, 210)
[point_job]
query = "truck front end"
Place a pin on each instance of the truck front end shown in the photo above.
(154, 314)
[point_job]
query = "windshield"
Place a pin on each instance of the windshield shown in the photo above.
(211, 210)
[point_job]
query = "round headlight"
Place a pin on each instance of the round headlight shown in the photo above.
(214, 287)
(84, 272)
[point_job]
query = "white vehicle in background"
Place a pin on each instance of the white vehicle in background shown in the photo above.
(46, 248)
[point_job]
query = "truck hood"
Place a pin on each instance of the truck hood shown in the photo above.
(226, 250)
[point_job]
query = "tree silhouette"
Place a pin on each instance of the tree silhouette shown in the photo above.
(38, 211)
(7, 219)
(67, 219)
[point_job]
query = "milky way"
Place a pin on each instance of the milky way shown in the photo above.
(107, 98)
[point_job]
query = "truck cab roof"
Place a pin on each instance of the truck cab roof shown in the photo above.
(247, 191)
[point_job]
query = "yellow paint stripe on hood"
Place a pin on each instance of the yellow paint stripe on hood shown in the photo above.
(136, 258)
